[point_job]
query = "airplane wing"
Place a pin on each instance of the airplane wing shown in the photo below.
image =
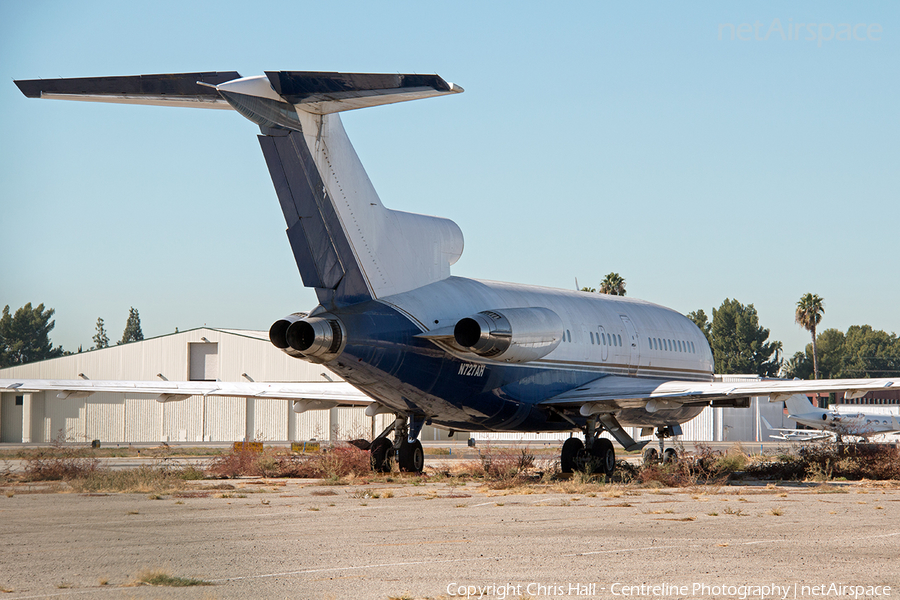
(306, 396)
(613, 392)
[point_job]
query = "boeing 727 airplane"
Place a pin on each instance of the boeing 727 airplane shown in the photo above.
(417, 342)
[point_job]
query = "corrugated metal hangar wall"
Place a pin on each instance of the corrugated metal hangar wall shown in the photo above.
(198, 354)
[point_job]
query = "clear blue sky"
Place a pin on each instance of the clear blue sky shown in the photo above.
(687, 146)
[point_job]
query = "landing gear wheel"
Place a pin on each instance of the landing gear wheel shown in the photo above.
(604, 456)
(570, 450)
(651, 456)
(380, 454)
(412, 457)
(670, 456)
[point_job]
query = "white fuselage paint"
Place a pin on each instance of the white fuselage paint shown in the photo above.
(860, 424)
(661, 343)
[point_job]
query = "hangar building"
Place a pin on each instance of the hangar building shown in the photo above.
(203, 354)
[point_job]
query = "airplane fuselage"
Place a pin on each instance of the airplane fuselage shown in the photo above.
(601, 335)
(861, 425)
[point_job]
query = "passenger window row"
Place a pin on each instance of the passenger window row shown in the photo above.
(606, 339)
(615, 339)
(667, 345)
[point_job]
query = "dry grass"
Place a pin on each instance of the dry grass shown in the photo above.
(140, 480)
(161, 577)
(334, 463)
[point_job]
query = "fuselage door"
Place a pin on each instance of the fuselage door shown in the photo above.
(604, 344)
(635, 358)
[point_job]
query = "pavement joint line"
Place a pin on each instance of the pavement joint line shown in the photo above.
(68, 593)
(400, 564)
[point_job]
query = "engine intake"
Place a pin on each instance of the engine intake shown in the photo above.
(513, 335)
(317, 339)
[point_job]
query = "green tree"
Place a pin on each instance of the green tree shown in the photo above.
(831, 358)
(101, 340)
(738, 342)
(701, 321)
(25, 336)
(861, 352)
(613, 284)
(132, 331)
(870, 352)
(798, 366)
(808, 315)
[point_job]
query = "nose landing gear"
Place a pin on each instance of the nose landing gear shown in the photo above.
(669, 455)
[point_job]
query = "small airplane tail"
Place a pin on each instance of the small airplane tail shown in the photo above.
(347, 245)
(799, 404)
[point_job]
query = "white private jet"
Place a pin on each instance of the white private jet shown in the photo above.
(830, 424)
(418, 343)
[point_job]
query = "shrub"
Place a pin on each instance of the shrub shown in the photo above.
(333, 463)
(57, 463)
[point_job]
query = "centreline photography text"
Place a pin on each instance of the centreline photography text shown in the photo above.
(787, 591)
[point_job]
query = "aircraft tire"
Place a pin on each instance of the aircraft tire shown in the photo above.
(670, 456)
(412, 457)
(604, 456)
(570, 450)
(651, 456)
(380, 455)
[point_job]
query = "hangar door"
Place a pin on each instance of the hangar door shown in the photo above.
(11, 412)
(204, 362)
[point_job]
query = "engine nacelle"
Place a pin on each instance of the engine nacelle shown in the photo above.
(513, 335)
(278, 333)
(317, 339)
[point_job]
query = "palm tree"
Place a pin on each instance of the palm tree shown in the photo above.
(613, 284)
(809, 313)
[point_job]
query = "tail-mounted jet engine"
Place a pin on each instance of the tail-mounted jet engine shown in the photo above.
(513, 335)
(317, 339)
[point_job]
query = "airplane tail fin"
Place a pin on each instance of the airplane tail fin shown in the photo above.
(799, 404)
(347, 245)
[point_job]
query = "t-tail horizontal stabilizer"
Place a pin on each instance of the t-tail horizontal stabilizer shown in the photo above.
(173, 89)
(347, 244)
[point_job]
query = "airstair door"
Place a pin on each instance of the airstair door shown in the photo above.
(635, 359)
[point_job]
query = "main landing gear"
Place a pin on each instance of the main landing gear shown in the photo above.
(669, 455)
(595, 455)
(405, 449)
